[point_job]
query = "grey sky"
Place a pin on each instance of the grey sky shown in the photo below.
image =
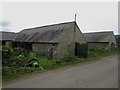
(91, 16)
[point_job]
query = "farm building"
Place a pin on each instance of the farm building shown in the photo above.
(54, 41)
(6, 38)
(101, 40)
(117, 37)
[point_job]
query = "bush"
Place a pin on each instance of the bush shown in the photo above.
(18, 51)
(20, 60)
(101, 52)
(96, 53)
(7, 51)
(70, 58)
(7, 55)
(46, 64)
(31, 56)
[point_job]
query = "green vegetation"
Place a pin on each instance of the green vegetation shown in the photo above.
(15, 64)
(98, 53)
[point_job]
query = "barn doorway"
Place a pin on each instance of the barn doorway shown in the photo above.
(77, 49)
(81, 50)
(112, 45)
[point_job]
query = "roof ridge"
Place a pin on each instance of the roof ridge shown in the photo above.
(7, 32)
(99, 32)
(49, 25)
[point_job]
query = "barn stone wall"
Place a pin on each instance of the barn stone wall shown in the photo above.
(66, 46)
(79, 36)
(98, 45)
(45, 49)
(112, 41)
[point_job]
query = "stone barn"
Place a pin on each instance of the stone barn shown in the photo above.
(117, 37)
(6, 38)
(54, 41)
(100, 40)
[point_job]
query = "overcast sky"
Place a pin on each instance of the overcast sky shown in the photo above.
(91, 16)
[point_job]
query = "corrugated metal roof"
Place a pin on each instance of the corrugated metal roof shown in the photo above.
(98, 36)
(7, 36)
(49, 33)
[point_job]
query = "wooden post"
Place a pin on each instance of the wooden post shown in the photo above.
(74, 34)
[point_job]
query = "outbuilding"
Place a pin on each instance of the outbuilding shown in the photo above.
(117, 37)
(6, 38)
(100, 40)
(54, 41)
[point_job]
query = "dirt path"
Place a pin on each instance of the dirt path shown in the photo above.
(97, 74)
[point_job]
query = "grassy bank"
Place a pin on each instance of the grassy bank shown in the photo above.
(99, 53)
(22, 65)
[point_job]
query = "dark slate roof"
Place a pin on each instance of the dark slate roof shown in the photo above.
(98, 36)
(7, 36)
(44, 34)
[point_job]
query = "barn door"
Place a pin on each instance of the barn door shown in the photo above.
(77, 49)
(81, 50)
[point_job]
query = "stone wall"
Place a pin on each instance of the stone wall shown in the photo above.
(45, 49)
(79, 36)
(98, 46)
(112, 41)
(66, 46)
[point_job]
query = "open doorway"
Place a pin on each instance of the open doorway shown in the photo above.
(112, 45)
(81, 50)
